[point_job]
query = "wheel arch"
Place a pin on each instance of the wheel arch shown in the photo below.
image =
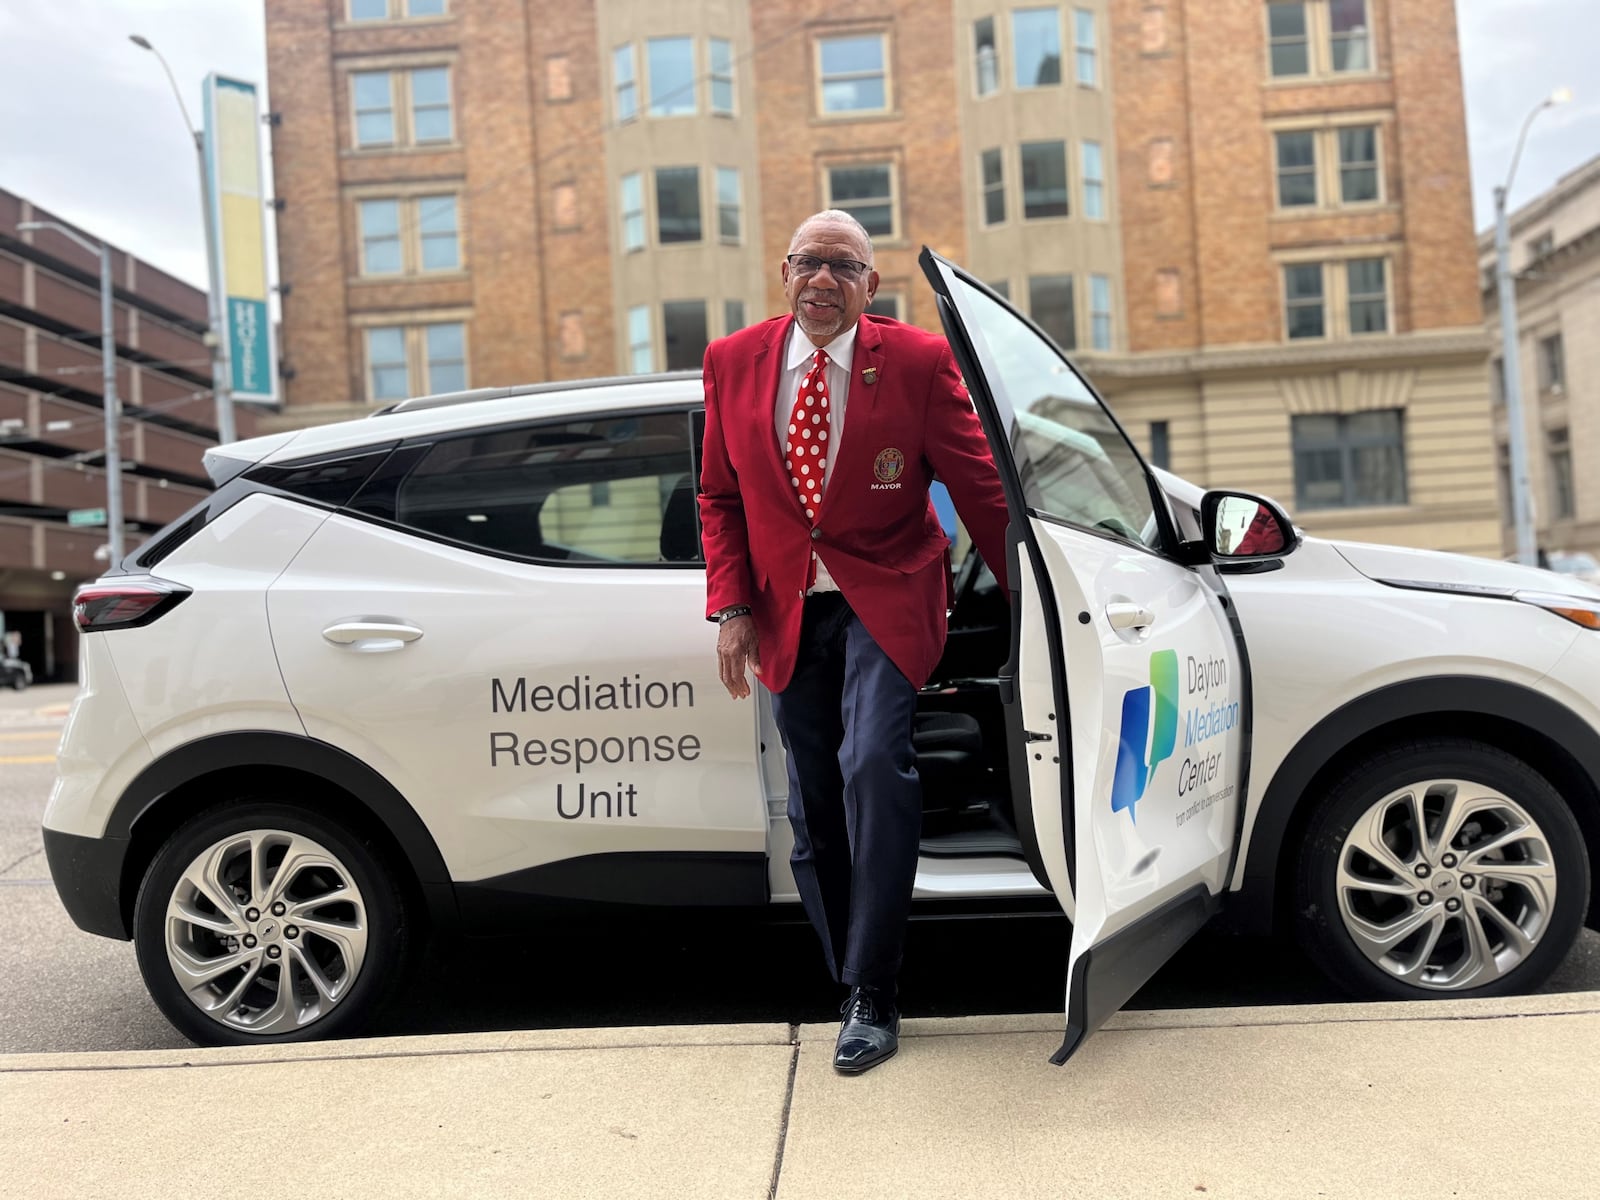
(188, 779)
(1541, 732)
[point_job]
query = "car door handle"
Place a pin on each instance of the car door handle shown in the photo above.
(1129, 616)
(371, 637)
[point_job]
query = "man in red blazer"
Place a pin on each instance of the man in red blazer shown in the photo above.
(828, 573)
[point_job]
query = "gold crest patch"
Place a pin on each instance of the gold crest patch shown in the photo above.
(888, 465)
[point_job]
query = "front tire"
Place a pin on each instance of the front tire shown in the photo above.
(1444, 868)
(261, 923)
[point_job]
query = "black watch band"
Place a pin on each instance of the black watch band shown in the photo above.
(728, 614)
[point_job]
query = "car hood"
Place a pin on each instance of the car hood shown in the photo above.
(1397, 564)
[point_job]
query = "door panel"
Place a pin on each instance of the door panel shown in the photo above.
(1139, 672)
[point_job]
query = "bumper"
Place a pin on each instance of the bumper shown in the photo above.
(87, 872)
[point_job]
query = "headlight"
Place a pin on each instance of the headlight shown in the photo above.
(1577, 609)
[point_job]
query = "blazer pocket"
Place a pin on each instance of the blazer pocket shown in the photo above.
(922, 556)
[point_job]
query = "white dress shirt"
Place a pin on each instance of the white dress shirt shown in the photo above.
(797, 361)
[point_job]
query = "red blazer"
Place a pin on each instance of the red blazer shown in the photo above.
(908, 418)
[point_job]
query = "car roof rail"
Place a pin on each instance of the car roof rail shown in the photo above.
(474, 395)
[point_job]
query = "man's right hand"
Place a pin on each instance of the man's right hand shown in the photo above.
(736, 646)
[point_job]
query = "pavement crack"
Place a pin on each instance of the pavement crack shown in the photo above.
(788, 1105)
(10, 867)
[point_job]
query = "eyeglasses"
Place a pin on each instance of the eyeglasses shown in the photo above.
(845, 270)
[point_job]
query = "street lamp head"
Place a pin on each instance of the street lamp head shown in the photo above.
(142, 42)
(1560, 96)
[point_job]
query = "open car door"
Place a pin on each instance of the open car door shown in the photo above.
(1128, 691)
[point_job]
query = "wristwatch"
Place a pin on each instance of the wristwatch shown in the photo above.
(727, 614)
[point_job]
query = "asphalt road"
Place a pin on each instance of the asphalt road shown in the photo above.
(62, 989)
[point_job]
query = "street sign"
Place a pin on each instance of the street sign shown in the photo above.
(86, 516)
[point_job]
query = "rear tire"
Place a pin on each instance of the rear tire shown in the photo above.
(1443, 868)
(259, 922)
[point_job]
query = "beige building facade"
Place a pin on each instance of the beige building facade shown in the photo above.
(1555, 261)
(1248, 220)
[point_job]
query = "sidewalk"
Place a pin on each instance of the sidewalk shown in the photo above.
(1457, 1099)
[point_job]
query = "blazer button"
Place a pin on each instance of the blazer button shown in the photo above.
(815, 534)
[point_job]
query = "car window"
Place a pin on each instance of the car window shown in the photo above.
(617, 490)
(1075, 464)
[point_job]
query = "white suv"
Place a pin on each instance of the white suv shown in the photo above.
(446, 665)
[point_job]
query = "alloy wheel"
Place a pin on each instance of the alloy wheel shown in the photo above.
(1446, 885)
(266, 931)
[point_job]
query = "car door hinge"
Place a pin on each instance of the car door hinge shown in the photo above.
(1030, 736)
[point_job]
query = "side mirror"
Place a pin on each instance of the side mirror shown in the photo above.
(1240, 527)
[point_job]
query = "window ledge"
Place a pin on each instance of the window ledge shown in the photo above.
(1312, 212)
(408, 278)
(1277, 83)
(345, 26)
(380, 151)
(856, 118)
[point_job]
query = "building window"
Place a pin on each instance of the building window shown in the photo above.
(1036, 46)
(684, 322)
(633, 211)
(1303, 301)
(394, 10)
(985, 57)
(430, 105)
(1094, 182)
(728, 205)
(410, 235)
(854, 73)
(1051, 305)
(1318, 37)
(886, 304)
(1084, 45)
(1552, 364)
(624, 84)
(1358, 164)
(1558, 447)
(1368, 295)
(1100, 312)
(1161, 445)
(380, 237)
(1497, 382)
(387, 375)
(1044, 180)
(641, 354)
(1353, 460)
(732, 316)
(671, 63)
(1001, 288)
(1288, 39)
(374, 107)
(677, 204)
(866, 192)
(446, 357)
(557, 79)
(994, 187)
(1297, 169)
(722, 76)
(1349, 37)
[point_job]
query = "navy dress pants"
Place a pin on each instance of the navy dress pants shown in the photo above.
(855, 802)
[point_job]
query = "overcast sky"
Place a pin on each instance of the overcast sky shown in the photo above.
(89, 127)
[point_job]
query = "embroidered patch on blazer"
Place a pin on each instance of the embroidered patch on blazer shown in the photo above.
(888, 465)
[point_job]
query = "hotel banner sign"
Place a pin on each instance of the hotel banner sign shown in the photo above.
(239, 227)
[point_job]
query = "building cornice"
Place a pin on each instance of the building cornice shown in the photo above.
(1471, 342)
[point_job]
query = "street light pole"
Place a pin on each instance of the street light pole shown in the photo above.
(1516, 431)
(108, 375)
(221, 385)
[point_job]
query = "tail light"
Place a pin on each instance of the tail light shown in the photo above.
(101, 606)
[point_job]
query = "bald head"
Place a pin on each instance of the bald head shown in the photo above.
(827, 301)
(834, 219)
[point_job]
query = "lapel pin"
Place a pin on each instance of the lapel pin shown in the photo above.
(870, 375)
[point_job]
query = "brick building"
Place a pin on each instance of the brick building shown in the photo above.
(1555, 259)
(52, 432)
(1250, 220)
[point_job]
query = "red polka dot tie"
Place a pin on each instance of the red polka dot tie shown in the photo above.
(805, 446)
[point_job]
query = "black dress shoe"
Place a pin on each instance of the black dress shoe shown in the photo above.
(870, 1033)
